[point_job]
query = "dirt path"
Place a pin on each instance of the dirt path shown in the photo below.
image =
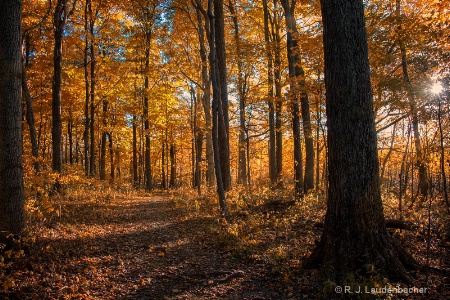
(141, 248)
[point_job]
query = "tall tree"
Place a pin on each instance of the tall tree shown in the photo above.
(202, 29)
(93, 85)
(60, 18)
(217, 116)
(242, 94)
(354, 232)
(270, 98)
(276, 40)
(222, 81)
(297, 75)
(12, 218)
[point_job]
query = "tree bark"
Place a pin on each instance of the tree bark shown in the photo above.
(12, 217)
(354, 231)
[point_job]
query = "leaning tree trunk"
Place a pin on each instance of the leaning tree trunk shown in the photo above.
(12, 217)
(354, 232)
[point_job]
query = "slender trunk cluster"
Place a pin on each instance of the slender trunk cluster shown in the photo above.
(218, 116)
(298, 95)
(272, 39)
(202, 30)
(420, 161)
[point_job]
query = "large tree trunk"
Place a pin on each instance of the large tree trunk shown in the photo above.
(354, 232)
(12, 217)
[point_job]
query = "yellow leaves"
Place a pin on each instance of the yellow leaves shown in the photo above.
(8, 283)
(12, 254)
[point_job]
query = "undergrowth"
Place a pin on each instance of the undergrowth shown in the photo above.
(266, 227)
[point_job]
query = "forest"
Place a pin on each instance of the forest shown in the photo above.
(224, 149)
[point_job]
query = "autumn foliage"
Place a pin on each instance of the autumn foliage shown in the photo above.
(133, 211)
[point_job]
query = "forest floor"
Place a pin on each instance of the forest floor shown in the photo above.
(157, 248)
